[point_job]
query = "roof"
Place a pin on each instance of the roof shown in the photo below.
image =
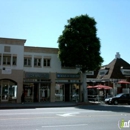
(114, 69)
(12, 41)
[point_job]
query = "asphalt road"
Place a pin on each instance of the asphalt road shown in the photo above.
(95, 117)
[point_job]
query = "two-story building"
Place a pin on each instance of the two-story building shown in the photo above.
(37, 72)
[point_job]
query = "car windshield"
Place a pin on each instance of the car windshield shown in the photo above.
(119, 95)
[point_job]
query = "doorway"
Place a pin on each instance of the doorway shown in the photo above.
(8, 91)
(67, 92)
(36, 86)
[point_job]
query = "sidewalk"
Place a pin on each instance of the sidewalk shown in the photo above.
(37, 105)
(43, 105)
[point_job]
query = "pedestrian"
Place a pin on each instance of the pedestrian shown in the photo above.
(22, 98)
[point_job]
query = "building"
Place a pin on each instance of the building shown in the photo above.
(37, 72)
(118, 69)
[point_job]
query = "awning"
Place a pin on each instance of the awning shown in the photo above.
(102, 87)
(90, 87)
(123, 82)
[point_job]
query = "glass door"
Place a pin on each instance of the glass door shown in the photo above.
(44, 93)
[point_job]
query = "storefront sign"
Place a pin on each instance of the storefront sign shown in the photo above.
(60, 75)
(37, 75)
(6, 71)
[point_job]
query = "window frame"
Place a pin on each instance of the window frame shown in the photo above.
(29, 62)
(47, 62)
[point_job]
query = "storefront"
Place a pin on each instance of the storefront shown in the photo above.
(36, 87)
(68, 87)
(8, 90)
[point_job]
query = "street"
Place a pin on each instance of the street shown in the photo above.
(90, 117)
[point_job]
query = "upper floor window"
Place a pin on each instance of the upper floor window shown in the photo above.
(6, 48)
(14, 60)
(6, 59)
(37, 62)
(47, 62)
(27, 61)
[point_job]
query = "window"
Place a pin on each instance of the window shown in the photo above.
(7, 49)
(7, 60)
(37, 62)
(14, 61)
(27, 61)
(47, 62)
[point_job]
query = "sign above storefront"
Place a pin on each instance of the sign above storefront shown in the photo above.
(37, 75)
(6, 70)
(61, 75)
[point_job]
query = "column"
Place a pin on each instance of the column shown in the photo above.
(52, 87)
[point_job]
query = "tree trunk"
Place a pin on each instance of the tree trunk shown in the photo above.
(84, 86)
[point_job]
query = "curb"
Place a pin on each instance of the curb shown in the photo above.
(29, 107)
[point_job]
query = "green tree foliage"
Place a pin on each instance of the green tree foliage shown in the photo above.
(79, 44)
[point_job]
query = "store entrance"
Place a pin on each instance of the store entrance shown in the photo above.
(8, 91)
(67, 92)
(36, 92)
(44, 93)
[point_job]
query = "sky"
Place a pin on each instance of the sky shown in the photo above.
(41, 22)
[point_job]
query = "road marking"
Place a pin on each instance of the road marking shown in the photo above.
(61, 115)
(64, 125)
(68, 114)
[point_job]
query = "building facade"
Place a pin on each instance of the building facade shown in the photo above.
(36, 72)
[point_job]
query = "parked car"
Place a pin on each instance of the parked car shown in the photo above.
(119, 98)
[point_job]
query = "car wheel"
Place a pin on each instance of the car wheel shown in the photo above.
(116, 102)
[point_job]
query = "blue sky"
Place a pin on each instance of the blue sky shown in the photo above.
(41, 22)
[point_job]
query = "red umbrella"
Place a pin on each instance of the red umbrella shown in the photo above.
(102, 87)
(123, 82)
(90, 87)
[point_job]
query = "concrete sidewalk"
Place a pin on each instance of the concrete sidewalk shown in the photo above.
(44, 105)
(37, 105)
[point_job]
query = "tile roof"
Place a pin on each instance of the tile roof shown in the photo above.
(114, 71)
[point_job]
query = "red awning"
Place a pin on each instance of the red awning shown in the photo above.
(90, 87)
(123, 82)
(102, 87)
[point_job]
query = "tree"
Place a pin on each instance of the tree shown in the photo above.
(79, 45)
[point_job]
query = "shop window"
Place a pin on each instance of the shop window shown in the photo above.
(37, 62)
(75, 92)
(28, 93)
(59, 92)
(7, 60)
(13, 91)
(47, 62)
(14, 60)
(27, 61)
(44, 92)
